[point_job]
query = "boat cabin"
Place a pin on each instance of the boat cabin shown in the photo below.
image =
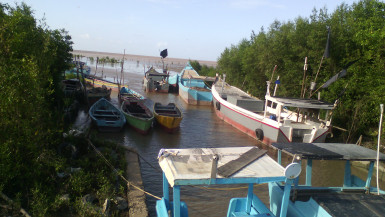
(356, 196)
(217, 166)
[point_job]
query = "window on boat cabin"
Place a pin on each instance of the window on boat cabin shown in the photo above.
(271, 104)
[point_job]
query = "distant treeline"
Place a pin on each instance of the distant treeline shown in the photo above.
(357, 33)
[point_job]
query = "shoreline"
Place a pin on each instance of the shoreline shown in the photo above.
(167, 60)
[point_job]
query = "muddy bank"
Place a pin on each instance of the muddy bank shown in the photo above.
(131, 57)
(136, 198)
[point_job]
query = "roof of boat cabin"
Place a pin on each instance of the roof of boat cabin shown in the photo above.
(153, 72)
(347, 203)
(193, 166)
(301, 103)
(329, 151)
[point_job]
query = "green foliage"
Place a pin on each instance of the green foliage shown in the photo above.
(357, 33)
(203, 70)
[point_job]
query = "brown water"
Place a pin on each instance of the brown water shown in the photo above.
(202, 128)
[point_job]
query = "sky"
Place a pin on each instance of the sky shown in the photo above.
(189, 29)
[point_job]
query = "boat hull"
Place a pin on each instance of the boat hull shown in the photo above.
(168, 118)
(140, 122)
(192, 89)
(159, 88)
(106, 116)
(254, 124)
(195, 97)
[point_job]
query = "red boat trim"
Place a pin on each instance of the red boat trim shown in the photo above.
(320, 136)
(253, 119)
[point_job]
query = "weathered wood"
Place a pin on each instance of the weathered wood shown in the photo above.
(245, 159)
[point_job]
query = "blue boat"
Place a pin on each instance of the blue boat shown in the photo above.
(106, 116)
(193, 88)
(356, 197)
(126, 94)
(218, 166)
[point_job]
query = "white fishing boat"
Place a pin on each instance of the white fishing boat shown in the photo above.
(275, 119)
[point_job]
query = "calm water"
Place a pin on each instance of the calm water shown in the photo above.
(202, 128)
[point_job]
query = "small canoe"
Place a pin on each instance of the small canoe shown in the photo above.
(106, 116)
(126, 94)
(168, 116)
(138, 115)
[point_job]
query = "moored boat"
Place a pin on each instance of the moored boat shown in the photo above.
(168, 116)
(154, 81)
(355, 197)
(275, 119)
(193, 88)
(222, 166)
(96, 93)
(138, 115)
(126, 94)
(106, 116)
(72, 87)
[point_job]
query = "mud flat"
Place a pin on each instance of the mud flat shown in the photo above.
(132, 57)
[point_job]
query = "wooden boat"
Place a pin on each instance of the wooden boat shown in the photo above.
(72, 87)
(154, 81)
(193, 88)
(106, 116)
(275, 119)
(138, 115)
(126, 94)
(207, 166)
(96, 93)
(356, 196)
(168, 116)
(99, 82)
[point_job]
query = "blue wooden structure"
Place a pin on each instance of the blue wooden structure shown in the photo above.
(356, 197)
(216, 166)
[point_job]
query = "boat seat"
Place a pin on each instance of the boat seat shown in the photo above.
(105, 115)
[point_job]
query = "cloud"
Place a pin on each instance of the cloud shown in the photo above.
(251, 4)
(85, 36)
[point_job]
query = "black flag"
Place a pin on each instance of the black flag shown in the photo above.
(163, 53)
(340, 74)
(327, 48)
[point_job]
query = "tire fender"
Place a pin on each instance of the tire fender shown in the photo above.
(218, 105)
(259, 134)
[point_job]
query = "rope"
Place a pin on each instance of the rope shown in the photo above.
(113, 168)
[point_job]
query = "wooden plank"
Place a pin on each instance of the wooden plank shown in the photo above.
(245, 159)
